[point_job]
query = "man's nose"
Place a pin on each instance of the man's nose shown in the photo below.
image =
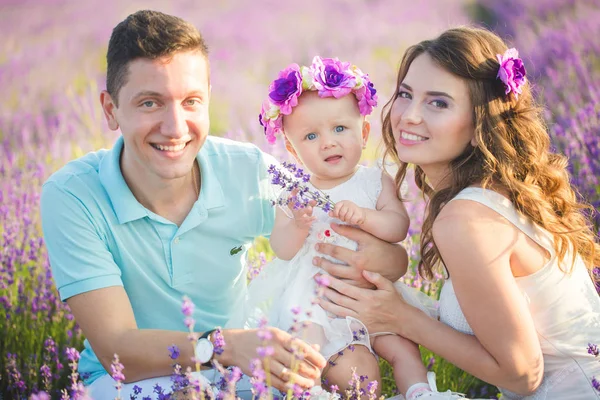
(174, 123)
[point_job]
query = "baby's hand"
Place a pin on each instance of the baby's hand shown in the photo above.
(303, 215)
(349, 213)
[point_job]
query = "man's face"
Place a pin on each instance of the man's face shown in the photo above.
(162, 114)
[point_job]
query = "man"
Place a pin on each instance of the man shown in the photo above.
(132, 230)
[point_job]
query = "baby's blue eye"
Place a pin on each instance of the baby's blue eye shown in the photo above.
(339, 129)
(311, 136)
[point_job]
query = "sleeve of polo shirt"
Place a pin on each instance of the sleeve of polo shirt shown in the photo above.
(268, 193)
(79, 258)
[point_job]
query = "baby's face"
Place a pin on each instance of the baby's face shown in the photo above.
(327, 136)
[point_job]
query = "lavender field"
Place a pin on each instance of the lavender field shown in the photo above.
(52, 67)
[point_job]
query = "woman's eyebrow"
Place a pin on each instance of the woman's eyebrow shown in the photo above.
(429, 93)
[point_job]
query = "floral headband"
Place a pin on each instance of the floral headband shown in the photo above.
(329, 76)
(512, 71)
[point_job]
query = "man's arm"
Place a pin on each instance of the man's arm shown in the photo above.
(89, 280)
(107, 321)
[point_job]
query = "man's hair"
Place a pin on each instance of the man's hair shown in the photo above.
(147, 34)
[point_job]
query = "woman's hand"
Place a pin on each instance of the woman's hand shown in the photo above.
(390, 260)
(381, 310)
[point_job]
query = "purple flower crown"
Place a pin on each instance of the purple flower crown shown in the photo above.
(512, 71)
(329, 76)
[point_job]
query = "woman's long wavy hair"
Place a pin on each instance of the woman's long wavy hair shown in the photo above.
(512, 152)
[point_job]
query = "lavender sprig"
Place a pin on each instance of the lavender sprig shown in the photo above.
(292, 178)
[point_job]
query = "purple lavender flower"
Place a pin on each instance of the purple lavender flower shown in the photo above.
(264, 334)
(72, 354)
(187, 308)
(259, 387)
(430, 363)
(116, 371)
(173, 352)
(596, 384)
(593, 349)
(372, 389)
(288, 179)
(322, 280)
(219, 341)
(40, 396)
(266, 351)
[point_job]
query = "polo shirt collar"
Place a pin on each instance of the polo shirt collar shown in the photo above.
(124, 203)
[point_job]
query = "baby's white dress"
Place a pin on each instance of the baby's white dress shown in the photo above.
(283, 286)
(565, 309)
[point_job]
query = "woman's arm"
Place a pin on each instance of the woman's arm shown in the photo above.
(476, 245)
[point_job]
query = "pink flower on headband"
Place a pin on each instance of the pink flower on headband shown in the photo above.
(270, 119)
(332, 77)
(329, 76)
(285, 90)
(512, 71)
(367, 98)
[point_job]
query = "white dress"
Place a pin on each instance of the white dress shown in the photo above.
(565, 310)
(285, 285)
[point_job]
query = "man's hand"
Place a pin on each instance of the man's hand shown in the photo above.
(293, 360)
(348, 212)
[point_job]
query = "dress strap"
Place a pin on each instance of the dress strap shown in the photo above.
(505, 208)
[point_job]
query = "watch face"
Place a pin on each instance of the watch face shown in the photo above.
(204, 350)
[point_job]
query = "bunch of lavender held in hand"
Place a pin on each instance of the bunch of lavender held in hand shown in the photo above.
(293, 180)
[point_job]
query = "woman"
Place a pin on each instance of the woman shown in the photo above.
(518, 307)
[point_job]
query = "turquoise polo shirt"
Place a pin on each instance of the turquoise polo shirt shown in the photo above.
(98, 235)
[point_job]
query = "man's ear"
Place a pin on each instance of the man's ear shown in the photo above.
(366, 130)
(109, 107)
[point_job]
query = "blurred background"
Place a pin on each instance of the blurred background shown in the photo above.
(52, 69)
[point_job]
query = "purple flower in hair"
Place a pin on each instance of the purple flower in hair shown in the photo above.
(285, 90)
(512, 71)
(331, 77)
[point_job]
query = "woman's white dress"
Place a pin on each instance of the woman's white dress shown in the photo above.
(565, 310)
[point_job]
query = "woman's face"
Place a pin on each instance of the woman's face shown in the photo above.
(431, 118)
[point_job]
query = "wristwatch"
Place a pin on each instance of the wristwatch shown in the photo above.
(205, 349)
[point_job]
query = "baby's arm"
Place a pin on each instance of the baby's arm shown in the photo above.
(389, 221)
(289, 234)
